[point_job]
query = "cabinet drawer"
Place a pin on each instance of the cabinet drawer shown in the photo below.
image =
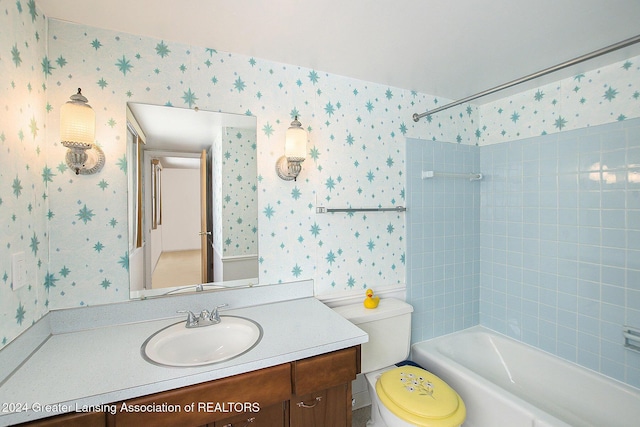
(211, 400)
(325, 371)
(90, 419)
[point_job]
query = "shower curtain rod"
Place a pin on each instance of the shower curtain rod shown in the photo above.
(594, 54)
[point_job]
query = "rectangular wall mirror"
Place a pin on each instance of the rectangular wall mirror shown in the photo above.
(193, 214)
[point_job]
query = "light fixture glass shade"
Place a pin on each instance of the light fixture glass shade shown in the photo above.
(77, 122)
(77, 133)
(295, 145)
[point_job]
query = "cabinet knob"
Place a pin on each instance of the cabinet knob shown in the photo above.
(311, 405)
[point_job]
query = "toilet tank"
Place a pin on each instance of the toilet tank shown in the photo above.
(389, 329)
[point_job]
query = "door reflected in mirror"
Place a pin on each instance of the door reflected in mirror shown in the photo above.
(193, 215)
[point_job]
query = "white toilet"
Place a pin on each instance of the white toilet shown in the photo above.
(405, 396)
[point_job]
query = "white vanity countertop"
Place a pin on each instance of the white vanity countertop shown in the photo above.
(104, 365)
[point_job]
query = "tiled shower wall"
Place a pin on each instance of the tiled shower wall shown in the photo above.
(546, 248)
(443, 238)
(560, 243)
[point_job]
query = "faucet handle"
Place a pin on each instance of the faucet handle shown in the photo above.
(215, 313)
(192, 321)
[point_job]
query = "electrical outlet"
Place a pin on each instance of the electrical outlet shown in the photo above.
(18, 270)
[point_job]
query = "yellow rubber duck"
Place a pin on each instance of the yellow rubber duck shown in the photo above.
(370, 301)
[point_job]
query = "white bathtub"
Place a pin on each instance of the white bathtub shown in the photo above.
(505, 383)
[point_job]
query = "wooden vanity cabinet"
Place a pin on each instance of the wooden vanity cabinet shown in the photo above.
(312, 392)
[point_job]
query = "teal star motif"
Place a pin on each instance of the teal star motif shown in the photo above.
(538, 95)
(122, 163)
(268, 211)
(46, 66)
(314, 153)
(15, 56)
(103, 184)
(297, 271)
(98, 247)
(33, 126)
(388, 94)
(329, 109)
(61, 61)
(313, 76)
(330, 184)
(20, 313)
(331, 257)
(49, 281)
(267, 129)
(610, 94)
(32, 10)
(350, 139)
(85, 214)
(64, 272)
(102, 83)
(17, 187)
(560, 123)
(351, 282)
(96, 44)
(514, 117)
(315, 230)
(47, 175)
(34, 244)
(369, 106)
(295, 193)
(390, 229)
(403, 128)
(189, 98)
(389, 161)
(162, 49)
(105, 283)
(370, 176)
(239, 84)
(124, 261)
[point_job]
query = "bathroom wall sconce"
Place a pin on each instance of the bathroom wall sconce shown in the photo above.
(295, 150)
(77, 133)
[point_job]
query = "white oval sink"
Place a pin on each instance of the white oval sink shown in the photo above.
(177, 345)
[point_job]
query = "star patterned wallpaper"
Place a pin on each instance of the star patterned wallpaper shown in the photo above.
(73, 230)
(239, 195)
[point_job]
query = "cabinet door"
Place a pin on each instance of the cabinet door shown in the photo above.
(271, 416)
(327, 408)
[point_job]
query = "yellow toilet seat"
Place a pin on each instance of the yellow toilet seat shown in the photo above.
(420, 397)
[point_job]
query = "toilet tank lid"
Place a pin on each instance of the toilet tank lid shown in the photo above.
(388, 307)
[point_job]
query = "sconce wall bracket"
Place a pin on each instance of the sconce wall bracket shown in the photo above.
(289, 168)
(84, 159)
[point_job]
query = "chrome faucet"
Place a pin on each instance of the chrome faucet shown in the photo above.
(206, 317)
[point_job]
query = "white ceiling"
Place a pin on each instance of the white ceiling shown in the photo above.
(446, 48)
(172, 130)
